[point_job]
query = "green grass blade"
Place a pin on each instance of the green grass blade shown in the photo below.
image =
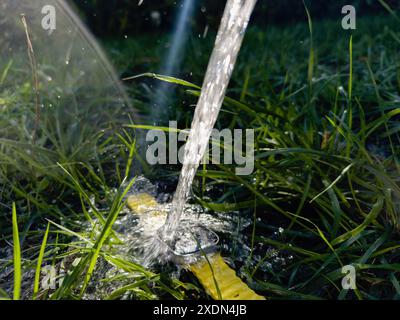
(105, 233)
(334, 182)
(39, 262)
(165, 79)
(376, 209)
(5, 72)
(389, 9)
(351, 69)
(17, 255)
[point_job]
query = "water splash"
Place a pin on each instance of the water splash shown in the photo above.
(229, 40)
(141, 232)
(163, 231)
(75, 78)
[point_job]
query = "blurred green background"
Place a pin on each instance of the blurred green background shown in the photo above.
(110, 17)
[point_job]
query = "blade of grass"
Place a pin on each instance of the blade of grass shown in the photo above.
(376, 209)
(39, 263)
(334, 182)
(105, 233)
(17, 255)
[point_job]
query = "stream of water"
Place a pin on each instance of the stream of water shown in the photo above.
(229, 40)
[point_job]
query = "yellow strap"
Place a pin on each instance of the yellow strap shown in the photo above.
(215, 275)
(142, 203)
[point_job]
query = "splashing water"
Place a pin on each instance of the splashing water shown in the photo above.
(141, 232)
(229, 40)
(171, 231)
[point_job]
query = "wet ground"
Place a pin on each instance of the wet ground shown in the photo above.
(231, 231)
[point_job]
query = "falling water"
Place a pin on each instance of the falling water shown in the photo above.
(229, 40)
(174, 56)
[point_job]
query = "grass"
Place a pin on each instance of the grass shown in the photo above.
(324, 194)
(16, 256)
(39, 263)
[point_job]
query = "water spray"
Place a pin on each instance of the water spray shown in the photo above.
(195, 249)
(194, 245)
(174, 57)
(223, 59)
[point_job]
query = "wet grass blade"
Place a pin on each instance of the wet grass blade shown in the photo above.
(165, 79)
(344, 171)
(376, 209)
(17, 255)
(105, 233)
(39, 263)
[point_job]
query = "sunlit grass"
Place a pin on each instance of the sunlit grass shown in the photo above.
(325, 110)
